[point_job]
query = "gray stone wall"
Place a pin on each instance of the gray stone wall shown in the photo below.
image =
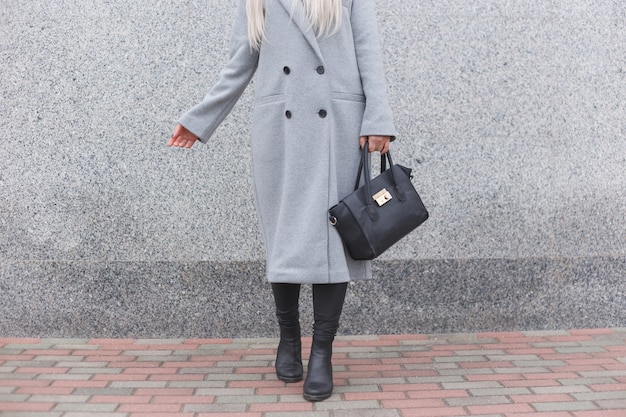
(512, 113)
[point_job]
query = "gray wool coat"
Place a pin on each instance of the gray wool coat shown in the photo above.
(314, 98)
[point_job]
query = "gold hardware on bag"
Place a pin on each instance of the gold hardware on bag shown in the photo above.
(382, 196)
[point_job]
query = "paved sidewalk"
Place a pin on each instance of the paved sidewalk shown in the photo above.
(578, 373)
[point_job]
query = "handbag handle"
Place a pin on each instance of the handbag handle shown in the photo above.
(364, 165)
(383, 165)
(383, 168)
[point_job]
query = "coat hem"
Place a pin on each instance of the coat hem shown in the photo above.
(322, 277)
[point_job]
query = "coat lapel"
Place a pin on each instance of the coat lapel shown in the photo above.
(300, 21)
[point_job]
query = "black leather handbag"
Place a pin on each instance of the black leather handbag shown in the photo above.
(379, 213)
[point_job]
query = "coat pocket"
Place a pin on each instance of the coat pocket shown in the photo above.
(359, 98)
(260, 101)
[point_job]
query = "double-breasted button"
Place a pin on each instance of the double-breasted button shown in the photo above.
(320, 70)
(322, 113)
(288, 114)
(287, 70)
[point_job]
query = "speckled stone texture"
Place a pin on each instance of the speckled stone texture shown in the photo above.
(232, 299)
(512, 113)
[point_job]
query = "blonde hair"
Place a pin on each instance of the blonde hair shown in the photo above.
(324, 17)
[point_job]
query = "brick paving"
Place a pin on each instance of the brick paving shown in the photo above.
(576, 373)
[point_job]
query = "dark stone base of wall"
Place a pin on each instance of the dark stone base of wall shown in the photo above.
(232, 299)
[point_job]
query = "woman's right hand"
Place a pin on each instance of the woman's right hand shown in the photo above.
(182, 137)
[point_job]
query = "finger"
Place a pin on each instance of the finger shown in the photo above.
(180, 142)
(362, 140)
(383, 145)
(190, 143)
(175, 136)
(373, 146)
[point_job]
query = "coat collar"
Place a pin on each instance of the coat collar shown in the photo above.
(300, 21)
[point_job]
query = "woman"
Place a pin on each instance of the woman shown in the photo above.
(320, 90)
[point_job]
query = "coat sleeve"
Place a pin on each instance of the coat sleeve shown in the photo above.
(377, 119)
(204, 118)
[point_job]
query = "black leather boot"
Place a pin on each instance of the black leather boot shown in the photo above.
(327, 305)
(318, 385)
(289, 355)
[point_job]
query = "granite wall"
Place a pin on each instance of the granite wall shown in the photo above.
(513, 114)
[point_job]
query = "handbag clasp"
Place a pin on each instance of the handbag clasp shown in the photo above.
(382, 197)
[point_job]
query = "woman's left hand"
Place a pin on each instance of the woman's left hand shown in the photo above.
(376, 143)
